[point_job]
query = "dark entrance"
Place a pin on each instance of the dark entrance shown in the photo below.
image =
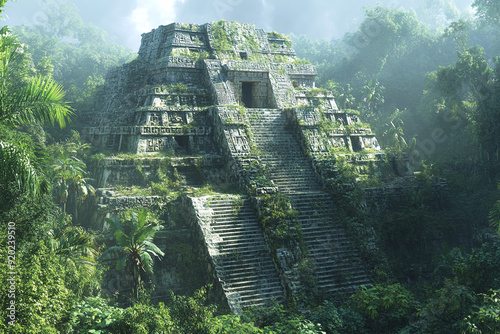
(356, 144)
(247, 94)
(182, 144)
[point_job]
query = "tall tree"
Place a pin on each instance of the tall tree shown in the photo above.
(23, 101)
(76, 249)
(488, 11)
(134, 250)
(69, 175)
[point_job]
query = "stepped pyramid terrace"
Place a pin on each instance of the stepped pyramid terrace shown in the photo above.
(229, 117)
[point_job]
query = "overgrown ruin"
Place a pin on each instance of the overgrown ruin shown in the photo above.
(227, 103)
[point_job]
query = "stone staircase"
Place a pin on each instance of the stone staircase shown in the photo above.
(242, 261)
(337, 268)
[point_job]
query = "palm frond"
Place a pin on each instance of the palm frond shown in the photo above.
(111, 253)
(147, 262)
(41, 101)
(115, 224)
(151, 247)
(16, 166)
(141, 218)
(145, 233)
(74, 246)
(121, 263)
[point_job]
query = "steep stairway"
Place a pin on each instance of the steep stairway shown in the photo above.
(242, 261)
(337, 266)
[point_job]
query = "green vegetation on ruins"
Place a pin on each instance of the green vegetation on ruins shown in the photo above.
(229, 34)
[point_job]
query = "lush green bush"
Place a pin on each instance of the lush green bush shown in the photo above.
(41, 295)
(295, 325)
(385, 307)
(480, 270)
(144, 319)
(190, 315)
(485, 318)
(278, 319)
(230, 323)
(443, 312)
(91, 315)
(336, 320)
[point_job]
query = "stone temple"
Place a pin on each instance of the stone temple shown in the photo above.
(225, 102)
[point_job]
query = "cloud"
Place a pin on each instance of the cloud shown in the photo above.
(151, 14)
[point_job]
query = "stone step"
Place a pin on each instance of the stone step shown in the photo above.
(238, 227)
(228, 222)
(294, 179)
(284, 158)
(234, 214)
(248, 283)
(249, 294)
(259, 297)
(319, 234)
(247, 280)
(240, 247)
(259, 267)
(236, 240)
(266, 119)
(236, 264)
(223, 230)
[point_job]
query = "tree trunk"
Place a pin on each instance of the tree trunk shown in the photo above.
(76, 209)
(137, 283)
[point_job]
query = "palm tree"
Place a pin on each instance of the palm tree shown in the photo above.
(65, 169)
(69, 175)
(75, 247)
(38, 100)
(373, 95)
(394, 135)
(134, 250)
(81, 189)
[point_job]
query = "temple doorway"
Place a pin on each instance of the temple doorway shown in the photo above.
(247, 94)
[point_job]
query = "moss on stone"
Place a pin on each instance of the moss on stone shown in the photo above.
(230, 35)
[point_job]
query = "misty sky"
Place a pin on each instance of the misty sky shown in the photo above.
(127, 19)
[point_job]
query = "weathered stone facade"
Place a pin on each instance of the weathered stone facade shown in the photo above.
(238, 99)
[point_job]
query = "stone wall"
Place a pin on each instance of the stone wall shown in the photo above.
(184, 267)
(141, 171)
(162, 41)
(196, 219)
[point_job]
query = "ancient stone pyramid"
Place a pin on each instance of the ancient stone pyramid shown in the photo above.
(237, 98)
